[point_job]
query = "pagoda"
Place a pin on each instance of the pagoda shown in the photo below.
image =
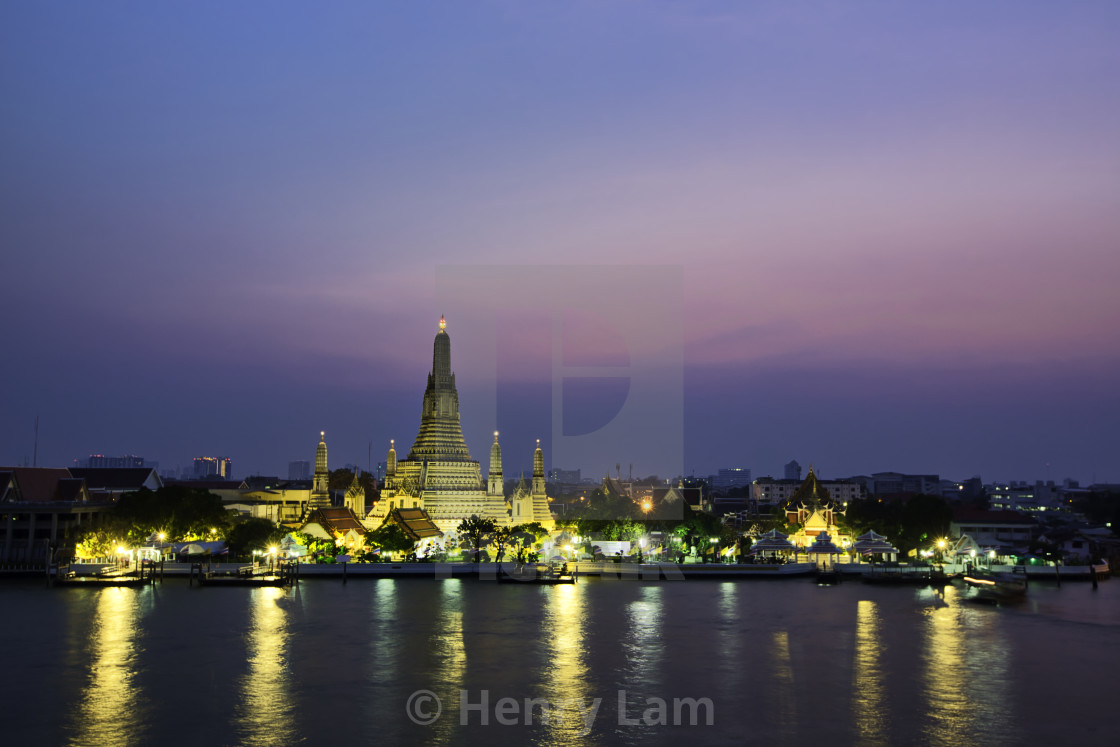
(439, 475)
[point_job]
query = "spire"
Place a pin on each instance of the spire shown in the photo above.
(320, 484)
(494, 482)
(496, 456)
(321, 453)
(441, 437)
(538, 471)
(391, 460)
(441, 356)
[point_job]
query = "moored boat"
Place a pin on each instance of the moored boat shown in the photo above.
(997, 587)
(539, 573)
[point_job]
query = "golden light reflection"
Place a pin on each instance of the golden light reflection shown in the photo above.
(644, 646)
(869, 713)
(107, 711)
(730, 637)
(266, 712)
(450, 651)
(566, 675)
(385, 643)
(946, 678)
(781, 698)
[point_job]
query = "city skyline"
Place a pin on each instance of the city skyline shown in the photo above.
(894, 227)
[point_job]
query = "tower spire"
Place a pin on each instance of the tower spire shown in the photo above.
(495, 484)
(441, 437)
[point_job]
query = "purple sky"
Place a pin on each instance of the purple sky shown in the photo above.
(896, 226)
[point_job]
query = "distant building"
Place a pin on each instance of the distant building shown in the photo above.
(210, 467)
(731, 477)
(101, 461)
(110, 483)
(299, 470)
(891, 483)
(1007, 529)
(565, 476)
(767, 490)
(1021, 496)
(793, 470)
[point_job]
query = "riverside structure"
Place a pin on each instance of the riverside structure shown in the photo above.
(439, 475)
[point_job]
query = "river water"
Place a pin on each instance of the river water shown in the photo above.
(764, 661)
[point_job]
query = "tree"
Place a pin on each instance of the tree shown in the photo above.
(181, 512)
(501, 537)
(253, 534)
(95, 542)
(924, 519)
(476, 530)
(390, 537)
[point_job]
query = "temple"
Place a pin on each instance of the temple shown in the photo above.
(814, 511)
(439, 475)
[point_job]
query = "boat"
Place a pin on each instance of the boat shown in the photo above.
(538, 573)
(997, 587)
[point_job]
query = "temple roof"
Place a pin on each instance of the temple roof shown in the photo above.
(811, 493)
(336, 520)
(822, 545)
(414, 522)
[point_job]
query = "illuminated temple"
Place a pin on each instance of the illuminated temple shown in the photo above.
(814, 511)
(439, 474)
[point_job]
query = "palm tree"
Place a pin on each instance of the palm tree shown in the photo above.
(476, 530)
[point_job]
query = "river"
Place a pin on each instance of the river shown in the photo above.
(603, 662)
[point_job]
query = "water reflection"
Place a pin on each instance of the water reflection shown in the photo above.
(945, 682)
(384, 643)
(730, 637)
(107, 709)
(265, 713)
(781, 699)
(644, 646)
(565, 683)
(868, 709)
(450, 652)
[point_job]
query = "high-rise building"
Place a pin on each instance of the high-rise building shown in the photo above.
(793, 470)
(299, 470)
(439, 475)
(731, 477)
(205, 467)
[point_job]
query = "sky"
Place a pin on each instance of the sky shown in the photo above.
(868, 236)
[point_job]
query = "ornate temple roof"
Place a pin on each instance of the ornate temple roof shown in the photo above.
(414, 522)
(811, 493)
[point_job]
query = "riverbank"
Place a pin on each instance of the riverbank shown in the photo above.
(584, 569)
